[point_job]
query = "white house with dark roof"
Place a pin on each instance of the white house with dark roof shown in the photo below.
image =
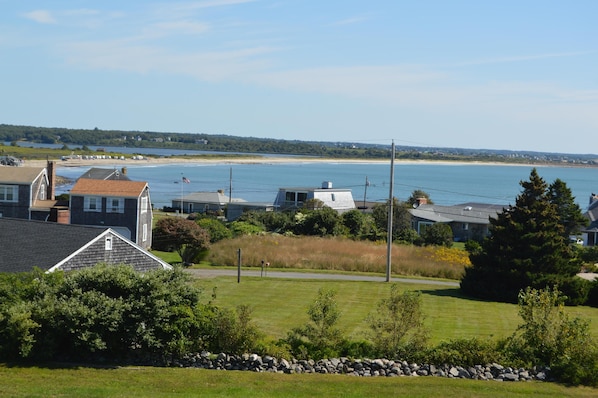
(339, 199)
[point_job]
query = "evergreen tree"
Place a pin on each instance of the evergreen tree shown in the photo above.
(569, 212)
(526, 247)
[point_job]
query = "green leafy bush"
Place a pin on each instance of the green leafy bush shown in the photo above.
(465, 352)
(397, 326)
(104, 312)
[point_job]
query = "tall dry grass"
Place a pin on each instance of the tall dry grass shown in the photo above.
(339, 254)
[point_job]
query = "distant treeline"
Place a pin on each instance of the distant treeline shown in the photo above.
(226, 143)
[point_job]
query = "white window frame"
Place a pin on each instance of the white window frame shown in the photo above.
(110, 205)
(108, 243)
(143, 204)
(9, 190)
(95, 200)
(144, 233)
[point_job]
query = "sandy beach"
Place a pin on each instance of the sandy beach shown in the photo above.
(150, 161)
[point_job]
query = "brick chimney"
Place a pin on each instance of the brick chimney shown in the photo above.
(421, 201)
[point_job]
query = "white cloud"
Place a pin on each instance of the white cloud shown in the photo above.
(521, 58)
(182, 27)
(41, 16)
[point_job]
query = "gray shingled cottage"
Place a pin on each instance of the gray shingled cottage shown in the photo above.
(51, 246)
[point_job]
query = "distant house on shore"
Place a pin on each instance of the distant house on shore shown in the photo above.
(339, 199)
(467, 220)
(205, 202)
(52, 246)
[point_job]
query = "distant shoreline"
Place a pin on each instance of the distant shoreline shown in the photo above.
(151, 161)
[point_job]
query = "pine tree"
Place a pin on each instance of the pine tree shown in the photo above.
(526, 247)
(569, 212)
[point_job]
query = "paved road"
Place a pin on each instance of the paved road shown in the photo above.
(214, 272)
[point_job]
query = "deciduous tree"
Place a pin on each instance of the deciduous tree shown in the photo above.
(187, 238)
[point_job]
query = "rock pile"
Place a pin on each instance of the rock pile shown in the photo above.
(358, 367)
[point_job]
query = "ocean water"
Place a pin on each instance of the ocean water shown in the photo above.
(259, 182)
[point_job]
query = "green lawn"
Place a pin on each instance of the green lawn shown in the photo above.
(281, 304)
(173, 382)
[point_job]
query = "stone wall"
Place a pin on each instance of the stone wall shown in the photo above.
(358, 367)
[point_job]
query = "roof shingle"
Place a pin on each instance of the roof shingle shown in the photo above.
(120, 188)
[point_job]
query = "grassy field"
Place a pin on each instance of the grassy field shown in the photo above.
(171, 382)
(340, 254)
(281, 304)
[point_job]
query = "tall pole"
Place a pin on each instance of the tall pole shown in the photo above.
(365, 191)
(182, 183)
(230, 186)
(389, 229)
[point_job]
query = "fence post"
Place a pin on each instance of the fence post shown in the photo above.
(239, 266)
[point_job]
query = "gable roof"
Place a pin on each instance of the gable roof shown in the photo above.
(19, 175)
(475, 213)
(120, 188)
(27, 244)
(96, 173)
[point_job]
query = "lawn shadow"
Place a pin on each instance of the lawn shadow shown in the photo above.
(59, 365)
(453, 292)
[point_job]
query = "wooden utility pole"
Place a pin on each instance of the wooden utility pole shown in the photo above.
(390, 201)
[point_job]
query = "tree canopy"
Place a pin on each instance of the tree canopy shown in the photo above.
(185, 236)
(526, 247)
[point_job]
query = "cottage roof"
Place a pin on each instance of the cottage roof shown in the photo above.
(475, 213)
(19, 175)
(96, 173)
(27, 244)
(120, 188)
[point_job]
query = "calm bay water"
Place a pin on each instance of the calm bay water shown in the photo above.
(446, 184)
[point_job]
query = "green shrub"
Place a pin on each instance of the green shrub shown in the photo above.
(547, 337)
(466, 352)
(320, 337)
(104, 312)
(234, 332)
(397, 328)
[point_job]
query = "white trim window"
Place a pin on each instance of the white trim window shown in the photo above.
(115, 205)
(92, 204)
(9, 193)
(143, 204)
(144, 233)
(108, 243)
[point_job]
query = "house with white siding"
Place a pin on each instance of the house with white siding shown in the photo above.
(339, 199)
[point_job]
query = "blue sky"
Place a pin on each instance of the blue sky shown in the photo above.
(520, 75)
